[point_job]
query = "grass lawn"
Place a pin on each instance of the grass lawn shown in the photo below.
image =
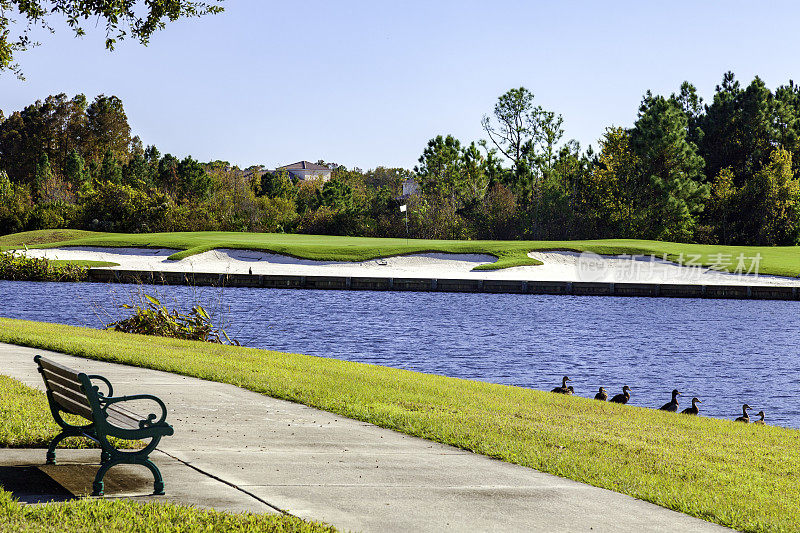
(128, 516)
(25, 419)
(26, 422)
(83, 263)
(743, 476)
(776, 260)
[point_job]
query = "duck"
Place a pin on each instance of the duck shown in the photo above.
(745, 417)
(563, 389)
(624, 397)
(602, 395)
(693, 410)
(760, 420)
(672, 406)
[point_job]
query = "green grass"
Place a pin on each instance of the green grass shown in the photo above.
(128, 516)
(43, 236)
(775, 260)
(25, 419)
(743, 476)
(26, 422)
(83, 263)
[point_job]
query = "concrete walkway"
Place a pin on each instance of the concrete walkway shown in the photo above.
(240, 451)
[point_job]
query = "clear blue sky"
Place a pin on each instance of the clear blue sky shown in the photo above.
(368, 83)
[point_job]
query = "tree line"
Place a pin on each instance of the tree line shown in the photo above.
(723, 171)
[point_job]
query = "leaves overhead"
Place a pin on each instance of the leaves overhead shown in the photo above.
(123, 19)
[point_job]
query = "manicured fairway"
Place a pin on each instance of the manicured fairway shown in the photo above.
(775, 260)
(743, 476)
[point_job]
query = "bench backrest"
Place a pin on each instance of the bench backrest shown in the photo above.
(65, 387)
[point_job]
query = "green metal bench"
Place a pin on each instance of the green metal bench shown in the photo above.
(72, 392)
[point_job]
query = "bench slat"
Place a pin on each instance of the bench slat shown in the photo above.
(50, 378)
(117, 408)
(71, 406)
(123, 424)
(122, 409)
(77, 397)
(58, 369)
(121, 419)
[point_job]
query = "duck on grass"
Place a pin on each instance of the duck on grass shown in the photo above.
(670, 407)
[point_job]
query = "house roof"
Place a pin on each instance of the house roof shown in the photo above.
(303, 165)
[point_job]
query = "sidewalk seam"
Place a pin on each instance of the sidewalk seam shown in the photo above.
(232, 485)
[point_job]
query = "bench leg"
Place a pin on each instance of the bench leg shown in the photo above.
(51, 450)
(97, 486)
(158, 483)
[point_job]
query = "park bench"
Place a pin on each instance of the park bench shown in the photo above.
(72, 392)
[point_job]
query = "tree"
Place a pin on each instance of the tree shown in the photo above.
(609, 197)
(74, 169)
(107, 128)
(738, 129)
(168, 174)
(43, 173)
(193, 180)
(116, 207)
(721, 209)
(770, 203)
(669, 169)
(129, 18)
(440, 167)
(137, 172)
(277, 184)
(525, 134)
(15, 205)
(337, 195)
(110, 169)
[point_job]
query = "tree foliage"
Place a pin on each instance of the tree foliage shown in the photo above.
(134, 19)
(725, 171)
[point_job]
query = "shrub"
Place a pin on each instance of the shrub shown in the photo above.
(153, 318)
(20, 268)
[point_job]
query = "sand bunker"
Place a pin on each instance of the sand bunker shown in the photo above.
(558, 266)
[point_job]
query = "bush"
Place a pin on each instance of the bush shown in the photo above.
(15, 205)
(53, 216)
(153, 318)
(121, 208)
(20, 268)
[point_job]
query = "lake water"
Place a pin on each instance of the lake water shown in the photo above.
(726, 352)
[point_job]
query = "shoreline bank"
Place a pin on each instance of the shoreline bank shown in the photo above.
(496, 286)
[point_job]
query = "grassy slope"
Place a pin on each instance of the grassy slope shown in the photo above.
(26, 422)
(128, 516)
(781, 261)
(25, 419)
(83, 263)
(744, 476)
(44, 236)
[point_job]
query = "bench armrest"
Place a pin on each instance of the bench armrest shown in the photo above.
(108, 384)
(151, 418)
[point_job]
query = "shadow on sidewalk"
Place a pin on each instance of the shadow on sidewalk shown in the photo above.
(30, 485)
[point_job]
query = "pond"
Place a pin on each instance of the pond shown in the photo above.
(726, 352)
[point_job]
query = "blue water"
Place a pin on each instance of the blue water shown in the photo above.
(726, 352)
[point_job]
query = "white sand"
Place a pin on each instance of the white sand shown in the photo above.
(558, 266)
